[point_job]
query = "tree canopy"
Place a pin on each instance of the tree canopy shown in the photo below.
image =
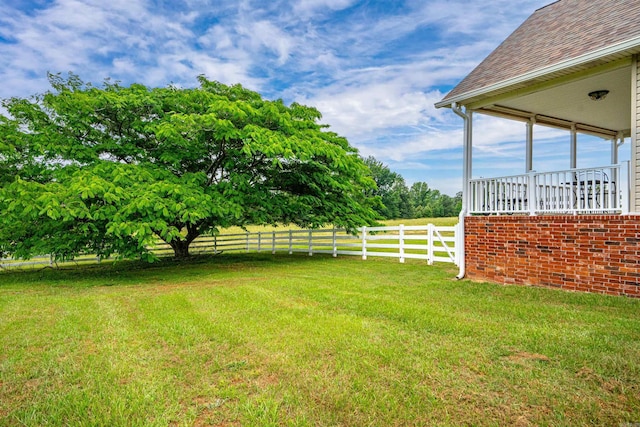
(110, 169)
(391, 189)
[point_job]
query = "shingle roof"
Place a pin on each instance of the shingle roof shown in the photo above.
(554, 34)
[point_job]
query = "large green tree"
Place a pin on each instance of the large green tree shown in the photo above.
(430, 203)
(110, 169)
(422, 198)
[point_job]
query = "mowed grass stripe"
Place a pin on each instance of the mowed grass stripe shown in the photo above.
(297, 340)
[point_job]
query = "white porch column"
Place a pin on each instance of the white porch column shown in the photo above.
(634, 167)
(574, 147)
(469, 155)
(615, 173)
(614, 150)
(529, 158)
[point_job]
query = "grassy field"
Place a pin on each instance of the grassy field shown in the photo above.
(262, 340)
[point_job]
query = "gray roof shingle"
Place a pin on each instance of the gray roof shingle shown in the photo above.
(558, 32)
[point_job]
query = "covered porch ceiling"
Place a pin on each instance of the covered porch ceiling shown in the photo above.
(564, 101)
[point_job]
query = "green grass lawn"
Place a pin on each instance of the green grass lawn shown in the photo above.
(260, 340)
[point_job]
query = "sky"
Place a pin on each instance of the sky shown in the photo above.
(373, 68)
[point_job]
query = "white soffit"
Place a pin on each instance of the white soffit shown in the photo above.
(570, 102)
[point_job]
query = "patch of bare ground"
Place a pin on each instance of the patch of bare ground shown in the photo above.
(523, 357)
(471, 399)
(617, 396)
(212, 412)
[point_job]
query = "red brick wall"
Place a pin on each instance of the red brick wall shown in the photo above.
(591, 253)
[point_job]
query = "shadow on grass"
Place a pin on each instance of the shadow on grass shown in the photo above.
(127, 272)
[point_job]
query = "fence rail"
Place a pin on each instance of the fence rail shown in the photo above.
(424, 242)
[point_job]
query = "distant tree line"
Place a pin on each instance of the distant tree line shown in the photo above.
(400, 201)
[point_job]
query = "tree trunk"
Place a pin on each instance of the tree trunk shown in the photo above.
(180, 248)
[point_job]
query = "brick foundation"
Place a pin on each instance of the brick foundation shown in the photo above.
(591, 253)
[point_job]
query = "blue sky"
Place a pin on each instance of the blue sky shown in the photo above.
(373, 68)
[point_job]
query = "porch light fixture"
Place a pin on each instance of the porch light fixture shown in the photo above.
(598, 95)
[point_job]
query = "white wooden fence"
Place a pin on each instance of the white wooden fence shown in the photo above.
(425, 242)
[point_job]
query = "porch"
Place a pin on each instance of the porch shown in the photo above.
(575, 66)
(595, 190)
(600, 102)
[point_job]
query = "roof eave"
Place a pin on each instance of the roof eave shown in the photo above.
(631, 46)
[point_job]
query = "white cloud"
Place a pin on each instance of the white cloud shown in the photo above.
(118, 39)
(264, 34)
(366, 110)
(217, 37)
(308, 7)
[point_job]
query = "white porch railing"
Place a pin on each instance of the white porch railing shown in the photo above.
(587, 190)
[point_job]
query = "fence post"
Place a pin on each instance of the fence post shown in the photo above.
(215, 244)
(273, 243)
(259, 241)
(290, 243)
(430, 244)
(310, 242)
(364, 242)
(50, 260)
(335, 248)
(457, 236)
(401, 242)
(247, 241)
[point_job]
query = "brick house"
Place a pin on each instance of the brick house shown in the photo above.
(573, 65)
